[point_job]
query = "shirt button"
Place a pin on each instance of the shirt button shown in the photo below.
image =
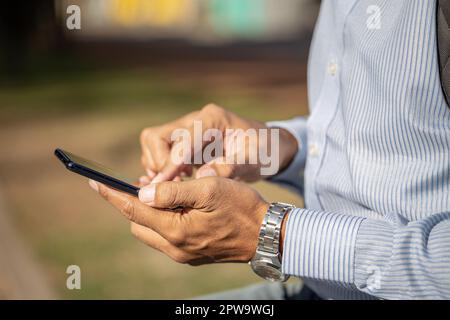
(313, 150)
(332, 68)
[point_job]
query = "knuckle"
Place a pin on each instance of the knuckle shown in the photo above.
(104, 193)
(212, 108)
(180, 257)
(134, 230)
(166, 193)
(177, 238)
(144, 134)
(212, 184)
(210, 190)
(128, 210)
(202, 245)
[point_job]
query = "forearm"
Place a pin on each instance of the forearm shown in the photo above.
(376, 256)
(294, 146)
(289, 147)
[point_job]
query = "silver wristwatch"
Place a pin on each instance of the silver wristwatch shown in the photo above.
(267, 263)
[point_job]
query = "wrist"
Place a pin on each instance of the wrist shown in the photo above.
(283, 232)
(288, 148)
(267, 261)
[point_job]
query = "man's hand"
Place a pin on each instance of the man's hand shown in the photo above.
(219, 222)
(158, 149)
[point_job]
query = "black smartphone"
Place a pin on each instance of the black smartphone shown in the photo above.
(95, 171)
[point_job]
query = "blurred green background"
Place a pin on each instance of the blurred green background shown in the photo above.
(92, 91)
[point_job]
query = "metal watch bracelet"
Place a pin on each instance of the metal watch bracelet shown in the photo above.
(269, 234)
(267, 263)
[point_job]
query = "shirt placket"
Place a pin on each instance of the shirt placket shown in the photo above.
(325, 110)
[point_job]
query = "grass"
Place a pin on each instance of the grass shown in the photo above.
(112, 91)
(100, 114)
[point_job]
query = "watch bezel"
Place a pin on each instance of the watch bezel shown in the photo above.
(268, 267)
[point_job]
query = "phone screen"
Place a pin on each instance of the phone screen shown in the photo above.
(97, 167)
(96, 171)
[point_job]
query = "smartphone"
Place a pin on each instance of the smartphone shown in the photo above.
(95, 171)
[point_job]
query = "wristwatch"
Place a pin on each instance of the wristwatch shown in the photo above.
(267, 263)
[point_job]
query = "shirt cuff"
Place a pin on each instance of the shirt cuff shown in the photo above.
(321, 245)
(293, 175)
(374, 250)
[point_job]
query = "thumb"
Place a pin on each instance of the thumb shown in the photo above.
(172, 194)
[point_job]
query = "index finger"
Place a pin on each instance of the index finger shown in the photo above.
(159, 220)
(155, 150)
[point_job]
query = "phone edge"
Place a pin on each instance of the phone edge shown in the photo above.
(95, 175)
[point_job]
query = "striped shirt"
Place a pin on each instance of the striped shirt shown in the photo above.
(374, 159)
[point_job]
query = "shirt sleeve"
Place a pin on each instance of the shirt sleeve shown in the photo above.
(292, 176)
(389, 258)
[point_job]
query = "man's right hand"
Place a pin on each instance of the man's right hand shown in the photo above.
(158, 148)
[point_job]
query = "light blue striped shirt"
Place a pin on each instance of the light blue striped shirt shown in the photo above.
(374, 159)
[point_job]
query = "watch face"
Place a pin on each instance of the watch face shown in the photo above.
(267, 271)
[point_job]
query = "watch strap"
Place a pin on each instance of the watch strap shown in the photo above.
(269, 234)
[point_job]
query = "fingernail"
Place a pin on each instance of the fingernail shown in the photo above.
(93, 185)
(159, 178)
(144, 180)
(147, 194)
(150, 173)
(206, 172)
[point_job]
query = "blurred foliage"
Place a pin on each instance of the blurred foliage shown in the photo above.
(68, 87)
